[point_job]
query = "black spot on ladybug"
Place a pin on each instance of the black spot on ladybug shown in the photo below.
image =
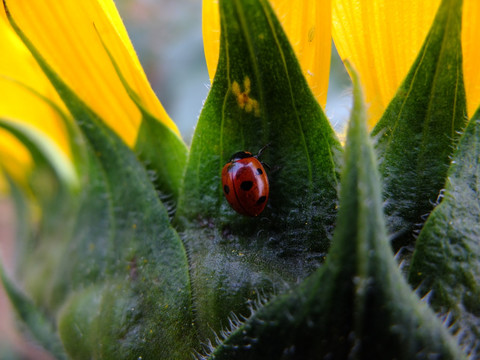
(246, 185)
(226, 189)
(261, 200)
(259, 171)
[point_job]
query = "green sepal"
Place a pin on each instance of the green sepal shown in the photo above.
(446, 261)
(357, 305)
(138, 255)
(258, 97)
(164, 153)
(137, 243)
(54, 183)
(419, 129)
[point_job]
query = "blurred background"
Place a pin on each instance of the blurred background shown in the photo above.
(167, 35)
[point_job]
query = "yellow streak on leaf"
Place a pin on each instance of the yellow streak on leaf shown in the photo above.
(244, 100)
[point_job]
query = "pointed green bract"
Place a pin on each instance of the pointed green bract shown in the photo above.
(258, 97)
(446, 261)
(160, 149)
(164, 153)
(419, 130)
(137, 246)
(357, 305)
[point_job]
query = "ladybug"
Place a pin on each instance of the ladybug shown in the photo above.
(245, 183)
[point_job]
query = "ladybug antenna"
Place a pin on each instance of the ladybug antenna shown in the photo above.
(261, 150)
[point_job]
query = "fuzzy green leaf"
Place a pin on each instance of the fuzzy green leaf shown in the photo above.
(357, 305)
(139, 245)
(258, 97)
(112, 321)
(446, 261)
(419, 129)
(136, 243)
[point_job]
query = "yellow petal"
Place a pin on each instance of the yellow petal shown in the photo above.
(15, 160)
(307, 25)
(471, 53)
(211, 34)
(19, 104)
(381, 39)
(66, 33)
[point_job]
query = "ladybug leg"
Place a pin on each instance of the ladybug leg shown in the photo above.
(273, 170)
(261, 150)
(266, 165)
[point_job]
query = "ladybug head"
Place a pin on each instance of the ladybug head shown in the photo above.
(241, 155)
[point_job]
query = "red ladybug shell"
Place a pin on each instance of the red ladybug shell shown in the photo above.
(245, 184)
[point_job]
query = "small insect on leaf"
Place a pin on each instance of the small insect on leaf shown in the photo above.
(245, 183)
